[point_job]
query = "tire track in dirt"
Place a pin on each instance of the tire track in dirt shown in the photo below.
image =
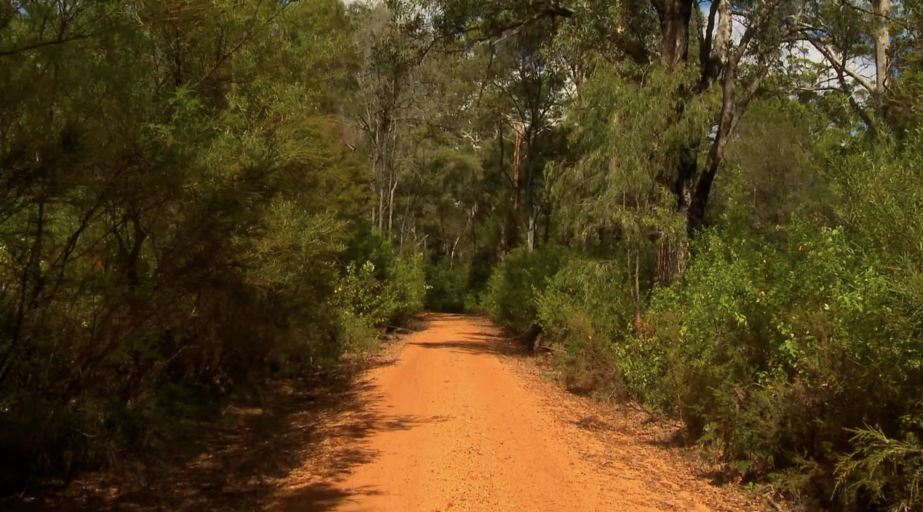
(455, 423)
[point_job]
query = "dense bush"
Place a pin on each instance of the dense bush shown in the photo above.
(460, 285)
(381, 287)
(177, 212)
(407, 289)
(580, 313)
(368, 302)
(776, 355)
(199, 196)
(447, 286)
(517, 282)
(795, 356)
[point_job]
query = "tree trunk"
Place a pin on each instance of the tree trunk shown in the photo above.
(731, 110)
(687, 168)
(391, 206)
(381, 208)
(636, 293)
(547, 233)
(882, 47)
(517, 171)
(674, 28)
(513, 227)
(134, 256)
(675, 16)
(690, 189)
(404, 218)
(671, 261)
(532, 229)
(454, 248)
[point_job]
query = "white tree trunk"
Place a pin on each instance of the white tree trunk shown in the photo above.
(533, 227)
(882, 46)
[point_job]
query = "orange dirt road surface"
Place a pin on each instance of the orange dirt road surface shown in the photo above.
(457, 423)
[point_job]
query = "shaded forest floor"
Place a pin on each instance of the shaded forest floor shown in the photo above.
(235, 466)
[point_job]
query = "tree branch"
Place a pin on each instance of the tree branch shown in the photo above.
(840, 66)
(44, 44)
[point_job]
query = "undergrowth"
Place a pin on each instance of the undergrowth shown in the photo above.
(792, 354)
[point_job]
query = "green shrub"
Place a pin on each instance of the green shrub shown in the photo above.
(367, 302)
(397, 282)
(587, 312)
(448, 286)
(407, 288)
(474, 302)
(582, 312)
(774, 351)
(793, 356)
(778, 353)
(511, 298)
(479, 272)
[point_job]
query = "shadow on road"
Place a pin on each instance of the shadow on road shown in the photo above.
(307, 436)
(323, 496)
(479, 344)
(317, 489)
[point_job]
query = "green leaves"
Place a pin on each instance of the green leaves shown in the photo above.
(515, 287)
(177, 198)
(364, 297)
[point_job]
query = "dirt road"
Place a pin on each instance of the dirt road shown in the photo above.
(457, 423)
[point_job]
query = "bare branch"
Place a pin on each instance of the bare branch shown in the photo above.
(839, 65)
(44, 44)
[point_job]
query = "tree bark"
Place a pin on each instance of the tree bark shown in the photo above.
(731, 110)
(675, 16)
(690, 188)
(882, 47)
(517, 170)
(674, 28)
(513, 227)
(138, 238)
(391, 205)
